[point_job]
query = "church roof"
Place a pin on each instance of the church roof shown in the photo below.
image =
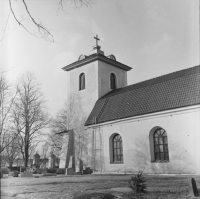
(174, 90)
(94, 57)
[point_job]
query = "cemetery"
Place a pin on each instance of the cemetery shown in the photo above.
(42, 180)
(100, 99)
(99, 186)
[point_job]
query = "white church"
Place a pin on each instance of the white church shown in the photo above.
(153, 125)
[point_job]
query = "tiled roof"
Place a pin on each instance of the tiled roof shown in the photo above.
(174, 90)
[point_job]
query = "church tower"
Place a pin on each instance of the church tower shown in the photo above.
(95, 75)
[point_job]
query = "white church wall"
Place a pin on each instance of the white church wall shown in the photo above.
(89, 95)
(104, 72)
(97, 82)
(183, 132)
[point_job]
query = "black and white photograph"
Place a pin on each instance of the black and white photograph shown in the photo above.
(100, 99)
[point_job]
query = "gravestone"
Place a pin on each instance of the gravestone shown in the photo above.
(26, 174)
(52, 160)
(69, 171)
(22, 169)
(36, 160)
(67, 159)
(81, 166)
(193, 191)
(87, 170)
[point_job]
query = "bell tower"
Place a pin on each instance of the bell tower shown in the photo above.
(93, 76)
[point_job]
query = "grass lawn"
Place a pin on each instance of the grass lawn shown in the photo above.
(63, 187)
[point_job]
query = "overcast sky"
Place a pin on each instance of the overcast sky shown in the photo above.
(154, 37)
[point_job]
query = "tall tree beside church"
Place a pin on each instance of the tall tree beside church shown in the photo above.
(7, 99)
(68, 118)
(29, 115)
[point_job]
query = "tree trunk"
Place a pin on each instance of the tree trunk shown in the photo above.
(10, 163)
(26, 156)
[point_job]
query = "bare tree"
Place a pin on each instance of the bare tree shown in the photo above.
(70, 117)
(45, 150)
(29, 115)
(63, 121)
(12, 150)
(7, 99)
(43, 32)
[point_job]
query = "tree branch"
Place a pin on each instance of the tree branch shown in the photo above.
(42, 30)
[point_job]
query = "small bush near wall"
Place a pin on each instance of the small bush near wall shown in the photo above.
(39, 171)
(60, 171)
(138, 183)
(51, 170)
(14, 173)
(4, 170)
(14, 168)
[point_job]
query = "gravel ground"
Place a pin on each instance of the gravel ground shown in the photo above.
(58, 186)
(64, 187)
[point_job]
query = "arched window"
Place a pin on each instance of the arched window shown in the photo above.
(117, 148)
(113, 81)
(160, 145)
(82, 81)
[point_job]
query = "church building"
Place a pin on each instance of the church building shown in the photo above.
(152, 125)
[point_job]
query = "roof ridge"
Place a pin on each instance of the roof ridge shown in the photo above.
(176, 90)
(159, 77)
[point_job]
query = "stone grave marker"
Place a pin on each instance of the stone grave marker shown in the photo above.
(52, 160)
(87, 171)
(26, 174)
(36, 160)
(69, 171)
(81, 166)
(22, 169)
(67, 160)
(193, 191)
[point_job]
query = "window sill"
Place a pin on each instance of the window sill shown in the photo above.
(160, 161)
(116, 162)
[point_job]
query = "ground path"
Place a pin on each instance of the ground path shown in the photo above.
(64, 187)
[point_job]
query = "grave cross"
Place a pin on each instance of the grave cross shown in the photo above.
(97, 39)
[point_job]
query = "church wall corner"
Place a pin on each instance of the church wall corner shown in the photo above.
(104, 71)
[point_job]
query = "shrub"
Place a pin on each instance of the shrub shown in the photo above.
(39, 171)
(15, 173)
(4, 170)
(22, 169)
(14, 168)
(60, 171)
(51, 170)
(137, 183)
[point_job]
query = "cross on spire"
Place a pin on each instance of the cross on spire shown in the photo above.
(97, 39)
(96, 48)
